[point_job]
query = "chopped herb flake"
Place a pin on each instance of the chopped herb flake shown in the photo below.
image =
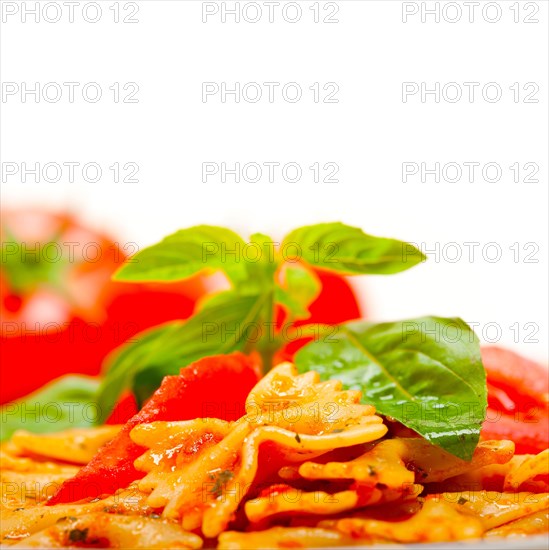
(222, 478)
(78, 535)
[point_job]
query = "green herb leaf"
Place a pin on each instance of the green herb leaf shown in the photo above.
(186, 253)
(220, 327)
(346, 249)
(67, 402)
(426, 373)
(301, 287)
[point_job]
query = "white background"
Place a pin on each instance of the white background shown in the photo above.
(369, 133)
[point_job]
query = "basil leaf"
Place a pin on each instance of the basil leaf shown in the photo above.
(427, 373)
(185, 253)
(67, 402)
(346, 249)
(300, 289)
(220, 327)
(145, 383)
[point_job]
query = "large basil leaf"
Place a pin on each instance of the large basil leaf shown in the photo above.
(427, 373)
(67, 402)
(349, 250)
(186, 253)
(220, 327)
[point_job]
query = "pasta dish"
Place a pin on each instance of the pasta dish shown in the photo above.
(273, 416)
(307, 465)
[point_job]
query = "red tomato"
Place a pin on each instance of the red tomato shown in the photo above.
(518, 408)
(335, 304)
(60, 311)
(520, 378)
(200, 390)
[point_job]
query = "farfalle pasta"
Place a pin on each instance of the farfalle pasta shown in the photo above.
(307, 465)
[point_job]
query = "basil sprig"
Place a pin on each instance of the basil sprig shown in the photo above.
(262, 273)
(426, 373)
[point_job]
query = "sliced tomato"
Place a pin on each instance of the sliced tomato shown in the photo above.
(518, 390)
(520, 378)
(211, 387)
(336, 303)
(124, 409)
(529, 431)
